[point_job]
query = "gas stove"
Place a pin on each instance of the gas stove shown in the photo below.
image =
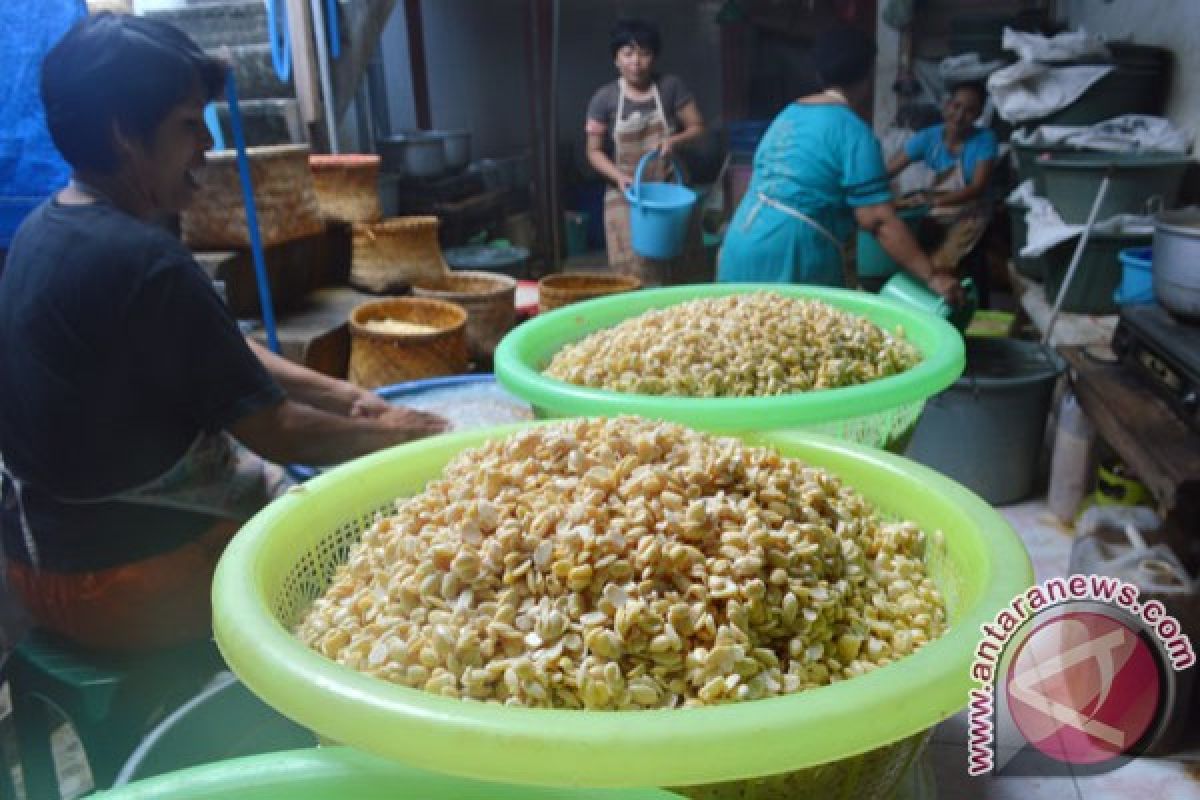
(1165, 351)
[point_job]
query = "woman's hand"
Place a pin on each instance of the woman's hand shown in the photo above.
(948, 286)
(666, 148)
(413, 424)
(624, 181)
(365, 403)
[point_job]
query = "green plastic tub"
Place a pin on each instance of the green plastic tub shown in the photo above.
(854, 738)
(339, 773)
(1098, 274)
(1028, 162)
(1129, 89)
(1072, 182)
(873, 260)
(881, 413)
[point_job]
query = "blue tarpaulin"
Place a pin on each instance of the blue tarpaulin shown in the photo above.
(30, 167)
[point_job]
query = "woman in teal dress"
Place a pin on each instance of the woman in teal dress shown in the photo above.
(817, 173)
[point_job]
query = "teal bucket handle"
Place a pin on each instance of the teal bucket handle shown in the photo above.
(631, 193)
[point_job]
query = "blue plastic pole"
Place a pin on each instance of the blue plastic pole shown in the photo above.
(256, 248)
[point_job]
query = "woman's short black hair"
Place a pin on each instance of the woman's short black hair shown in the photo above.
(843, 56)
(124, 69)
(976, 87)
(637, 32)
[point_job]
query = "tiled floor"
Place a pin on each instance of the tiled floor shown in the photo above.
(1177, 778)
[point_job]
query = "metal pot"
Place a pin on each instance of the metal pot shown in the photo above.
(1176, 264)
(391, 152)
(424, 156)
(458, 148)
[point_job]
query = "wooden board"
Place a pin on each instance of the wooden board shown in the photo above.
(1141, 427)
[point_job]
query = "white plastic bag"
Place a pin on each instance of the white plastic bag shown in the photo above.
(1029, 90)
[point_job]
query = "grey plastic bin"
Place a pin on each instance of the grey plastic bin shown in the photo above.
(987, 430)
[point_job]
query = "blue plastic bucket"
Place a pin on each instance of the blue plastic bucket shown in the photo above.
(1137, 282)
(658, 214)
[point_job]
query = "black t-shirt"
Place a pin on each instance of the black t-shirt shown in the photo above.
(115, 353)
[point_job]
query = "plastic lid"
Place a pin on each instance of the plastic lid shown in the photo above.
(479, 256)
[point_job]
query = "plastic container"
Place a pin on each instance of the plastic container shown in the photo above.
(907, 289)
(339, 773)
(456, 147)
(575, 227)
(467, 402)
(881, 413)
(512, 261)
(1137, 278)
(1098, 273)
(223, 721)
(987, 430)
(284, 557)
(1074, 439)
(658, 213)
(1129, 89)
(1028, 161)
(873, 260)
(1137, 182)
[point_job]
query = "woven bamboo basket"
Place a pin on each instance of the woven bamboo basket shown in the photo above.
(380, 359)
(490, 301)
(397, 250)
(284, 199)
(570, 287)
(347, 186)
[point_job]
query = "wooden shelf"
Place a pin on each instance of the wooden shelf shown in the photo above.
(1150, 437)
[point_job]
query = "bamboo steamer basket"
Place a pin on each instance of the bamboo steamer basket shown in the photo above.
(380, 359)
(490, 300)
(284, 198)
(570, 287)
(347, 186)
(397, 250)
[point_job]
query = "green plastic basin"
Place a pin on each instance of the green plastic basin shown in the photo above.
(881, 413)
(339, 773)
(861, 733)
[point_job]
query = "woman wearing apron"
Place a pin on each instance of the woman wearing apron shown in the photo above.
(961, 156)
(817, 172)
(138, 425)
(638, 113)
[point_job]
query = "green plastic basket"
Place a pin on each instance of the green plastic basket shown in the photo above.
(339, 773)
(881, 413)
(854, 738)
